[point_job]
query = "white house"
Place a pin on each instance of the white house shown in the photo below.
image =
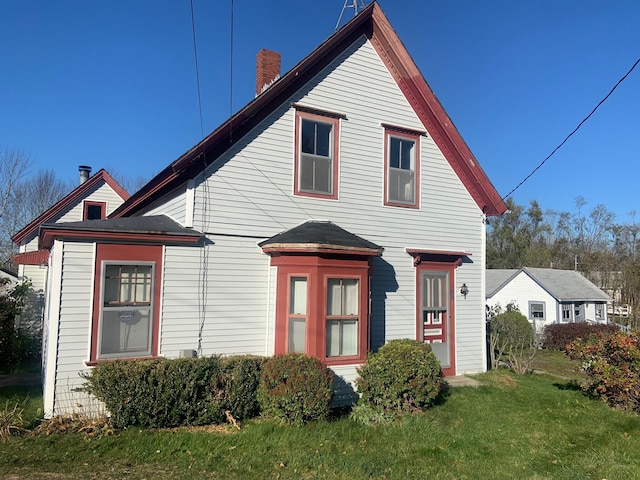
(546, 295)
(320, 218)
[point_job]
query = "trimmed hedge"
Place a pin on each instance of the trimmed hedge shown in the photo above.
(558, 335)
(403, 376)
(295, 388)
(172, 392)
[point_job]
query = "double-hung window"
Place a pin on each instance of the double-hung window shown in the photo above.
(125, 301)
(342, 317)
(402, 161)
(566, 312)
(536, 311)
(316, 155)
(126, 319)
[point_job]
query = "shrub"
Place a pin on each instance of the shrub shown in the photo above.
(402, 376)
(295, 388)
(511, 334)
(559, 335)
(158, 392)
(237, 384)
(612, 365)
(17, 344)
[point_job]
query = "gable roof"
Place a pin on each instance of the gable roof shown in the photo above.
(319, 236)
(563, 285)
(372, 23)
(70, 199)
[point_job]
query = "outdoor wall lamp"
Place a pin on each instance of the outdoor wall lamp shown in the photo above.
(464, 290)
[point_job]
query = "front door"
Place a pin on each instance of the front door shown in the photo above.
(436, 316)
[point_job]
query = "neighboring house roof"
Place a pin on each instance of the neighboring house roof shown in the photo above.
(315, 235)
(73, 197)
(4, 273)
(372, 23)
(159, 227)
(563, 285)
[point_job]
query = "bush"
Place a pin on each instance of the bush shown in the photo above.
(295, 388)
(559, 335)
(237, 384)
(158, 392)
(403, 376)
(511, 334)
(612, 365)
(17, 344)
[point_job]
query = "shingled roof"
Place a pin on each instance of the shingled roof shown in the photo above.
(315, 235)
(563, 285)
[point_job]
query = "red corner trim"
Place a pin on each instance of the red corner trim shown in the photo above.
(72, 198)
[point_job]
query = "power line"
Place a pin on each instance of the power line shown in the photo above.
(195, 54)
(574, 130)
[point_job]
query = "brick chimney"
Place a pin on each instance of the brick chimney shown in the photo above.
(85, 173)
(267, 69)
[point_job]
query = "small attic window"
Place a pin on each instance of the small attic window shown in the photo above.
(94, 210)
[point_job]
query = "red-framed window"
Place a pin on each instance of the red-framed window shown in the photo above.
(126, 297)
(316, 155)
(94, 210)
(322, 302)
(402, 168)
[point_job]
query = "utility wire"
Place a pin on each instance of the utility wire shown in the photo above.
(574, 131)
(195, 55)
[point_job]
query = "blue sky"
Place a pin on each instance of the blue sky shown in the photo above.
(112, 83)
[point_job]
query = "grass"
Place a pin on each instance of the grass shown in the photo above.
(526, 427)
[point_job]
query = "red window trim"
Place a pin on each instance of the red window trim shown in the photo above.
(335, 122)
(126, 253)
(318, 269)
(450, 268)
(390, 131)
(89, 203)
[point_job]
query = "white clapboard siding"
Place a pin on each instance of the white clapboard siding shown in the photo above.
(173, 205)
(521, 290)
(249, 192)
(74, 329)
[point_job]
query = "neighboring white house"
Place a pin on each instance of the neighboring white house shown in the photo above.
(546, 295)
(338, 210)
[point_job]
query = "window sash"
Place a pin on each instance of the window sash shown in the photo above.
(297, 320)
(126, 314)
(316, 156)
(342, 317)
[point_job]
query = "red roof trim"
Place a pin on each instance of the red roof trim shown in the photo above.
(38, 257)
(47, 236)
(73, 197)
(372, 23)
(319, 248)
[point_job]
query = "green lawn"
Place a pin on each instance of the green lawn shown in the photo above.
(513, 427)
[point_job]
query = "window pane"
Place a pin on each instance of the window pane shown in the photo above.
(394, 152)
(125, 331)
(94, 212)
(307, 143)
(333, 338)
(298, 295)
(323, 175)
(350, 298)
(349, 337)
(401, 186)
(323, 139)
(407, 155)
(334, 297)
(297, 335)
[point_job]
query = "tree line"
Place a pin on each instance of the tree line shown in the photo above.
(589, 240)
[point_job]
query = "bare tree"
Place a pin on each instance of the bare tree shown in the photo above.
(14, 164)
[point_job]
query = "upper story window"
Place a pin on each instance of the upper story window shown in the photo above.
(316, 169)
(94, 210)
(402, 164)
